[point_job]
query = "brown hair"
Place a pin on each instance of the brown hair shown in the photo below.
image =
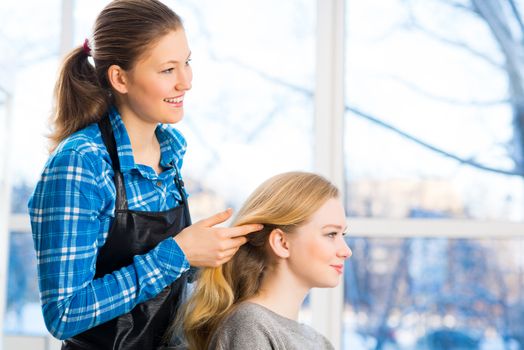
(285, 201)
(123, 31)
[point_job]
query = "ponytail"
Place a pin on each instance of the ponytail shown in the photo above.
(79, 98)
(122, 33)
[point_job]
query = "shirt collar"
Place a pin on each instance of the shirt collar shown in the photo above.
(166, 140)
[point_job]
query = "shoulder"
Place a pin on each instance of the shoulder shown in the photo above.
(87, 141)
(79, 169)
(248, 315)
(247, 326)
(253, 314)
(253, 326)
(84, 146)
(80, 157)
(311, 336)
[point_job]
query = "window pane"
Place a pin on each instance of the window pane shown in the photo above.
(438, 293)
(433, 122)
(23, 312)
(30, 59)
(29, 45)
(245, 119)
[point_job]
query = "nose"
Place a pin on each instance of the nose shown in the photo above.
(184, 79)
(344, 251)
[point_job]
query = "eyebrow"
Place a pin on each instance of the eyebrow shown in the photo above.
(173, 61)
(336, 226)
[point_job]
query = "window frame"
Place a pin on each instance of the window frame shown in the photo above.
(5, 205)
(326, 304)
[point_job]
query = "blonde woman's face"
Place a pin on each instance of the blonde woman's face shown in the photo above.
(318, 249)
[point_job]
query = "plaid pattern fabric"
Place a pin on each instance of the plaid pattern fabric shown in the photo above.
(71, 211)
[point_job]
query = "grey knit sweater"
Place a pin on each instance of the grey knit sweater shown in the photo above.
(253, 327)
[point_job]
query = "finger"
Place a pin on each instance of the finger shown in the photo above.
(243, 230)
(228, 254)
(216, 219)
(234, 243)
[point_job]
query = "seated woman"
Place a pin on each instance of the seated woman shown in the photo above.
(253, 301)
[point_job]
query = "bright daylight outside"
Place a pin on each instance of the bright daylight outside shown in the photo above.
(433, 130)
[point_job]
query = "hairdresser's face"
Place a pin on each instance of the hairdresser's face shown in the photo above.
(318, 249)
(159, 80)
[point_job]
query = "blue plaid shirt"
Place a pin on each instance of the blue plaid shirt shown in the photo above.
(71, 211)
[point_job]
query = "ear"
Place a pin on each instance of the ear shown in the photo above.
(118, 79)
(279, 244)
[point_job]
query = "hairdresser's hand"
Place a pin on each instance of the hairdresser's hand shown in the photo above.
(208, 246)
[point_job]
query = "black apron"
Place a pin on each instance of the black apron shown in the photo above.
(135, 233)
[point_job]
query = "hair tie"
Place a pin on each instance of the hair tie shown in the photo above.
(87, 49)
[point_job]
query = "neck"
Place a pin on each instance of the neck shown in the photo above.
(281, 293)
(146, 149)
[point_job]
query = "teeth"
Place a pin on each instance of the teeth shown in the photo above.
(174, 100)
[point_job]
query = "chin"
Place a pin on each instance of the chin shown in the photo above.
(334, 284)
(172, 119)
(327, 284)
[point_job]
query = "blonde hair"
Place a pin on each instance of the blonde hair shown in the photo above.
(285, 201)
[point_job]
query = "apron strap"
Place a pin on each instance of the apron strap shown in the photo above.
(109, 141)
(181, 189)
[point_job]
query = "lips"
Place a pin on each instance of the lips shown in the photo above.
(177, 101)
(338, 268)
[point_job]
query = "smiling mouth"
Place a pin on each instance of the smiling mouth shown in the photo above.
(175, 100)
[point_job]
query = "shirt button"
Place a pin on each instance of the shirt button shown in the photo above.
(159, 183)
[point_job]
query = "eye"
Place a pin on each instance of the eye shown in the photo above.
(188, 61)
(331, 234)
(168, 71)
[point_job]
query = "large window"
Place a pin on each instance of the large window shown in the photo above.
(433, 131)
(434, 121)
